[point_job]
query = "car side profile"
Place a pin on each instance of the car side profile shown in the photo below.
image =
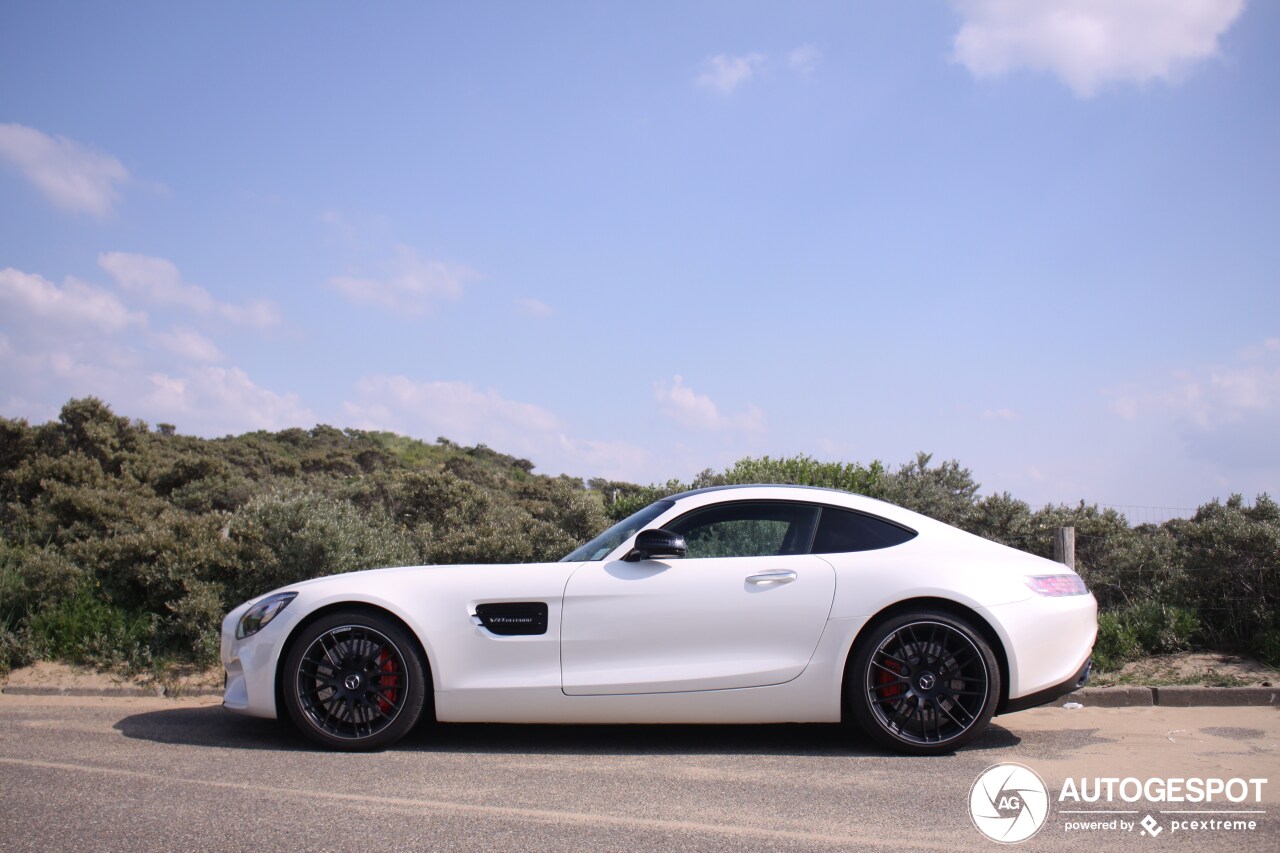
(737, 604)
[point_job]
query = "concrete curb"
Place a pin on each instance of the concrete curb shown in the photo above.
(1111, 697)
(1172, 697)
(152, 692)
(1185, 697)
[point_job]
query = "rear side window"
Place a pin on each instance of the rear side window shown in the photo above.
(840, 531)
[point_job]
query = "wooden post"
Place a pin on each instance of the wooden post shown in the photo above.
(1064, 546)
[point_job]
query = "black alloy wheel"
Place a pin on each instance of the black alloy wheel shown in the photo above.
(923, 683)
(354, 681)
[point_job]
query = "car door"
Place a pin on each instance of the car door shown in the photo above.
(744, 608)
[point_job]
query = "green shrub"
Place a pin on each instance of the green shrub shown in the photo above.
(1149, 628)
(1116, 644)
(286, 537)
(117, 542)
(16, 649)
(86, 629)
(1266, 645)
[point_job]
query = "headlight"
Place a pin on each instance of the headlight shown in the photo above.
(1057, 585)
(257, 616)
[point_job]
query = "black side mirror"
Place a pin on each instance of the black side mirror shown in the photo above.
(656, 544)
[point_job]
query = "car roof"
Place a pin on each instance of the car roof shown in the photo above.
(709, 489)
(814, 494)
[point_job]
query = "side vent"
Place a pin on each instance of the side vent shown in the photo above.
(511, 618)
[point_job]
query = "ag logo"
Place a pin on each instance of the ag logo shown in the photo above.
(1008, 803)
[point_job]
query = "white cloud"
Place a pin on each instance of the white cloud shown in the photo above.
(456, 410)
(76, 339)
(804, 59)
(1262, 350)
(75, 304)
(999, 414)
(613, 460)
(413, 285)
(723, 73)
(221, 400)
(698, 411)
(190, 344)
(159, 282)
(1089, 43)
(72, 176)
(1208, 397)
(534, 307)
(463, 413)
(1226, 413)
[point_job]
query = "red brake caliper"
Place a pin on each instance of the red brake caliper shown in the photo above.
(886, 686)
(389, 681)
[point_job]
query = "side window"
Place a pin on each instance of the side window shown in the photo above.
(747, 529)
(841, 530)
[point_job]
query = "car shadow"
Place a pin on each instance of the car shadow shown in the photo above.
(211, 726)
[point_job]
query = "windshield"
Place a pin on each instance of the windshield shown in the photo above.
(599, 548)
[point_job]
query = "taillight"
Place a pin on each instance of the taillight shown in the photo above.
(1057, 585)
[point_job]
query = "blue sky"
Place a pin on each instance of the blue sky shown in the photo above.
(639, 240)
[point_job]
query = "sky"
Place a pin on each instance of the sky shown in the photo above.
(636, 241)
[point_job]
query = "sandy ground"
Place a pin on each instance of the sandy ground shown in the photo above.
(1193, 668)
(49, 674)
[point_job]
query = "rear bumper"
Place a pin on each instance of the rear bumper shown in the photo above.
(1043, 697)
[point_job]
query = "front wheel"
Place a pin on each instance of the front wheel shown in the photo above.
(354, 681)
(923, 683)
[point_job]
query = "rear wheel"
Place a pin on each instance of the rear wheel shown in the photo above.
(354, 681)
(923, 683)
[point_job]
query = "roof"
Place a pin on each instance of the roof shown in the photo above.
(761, 486)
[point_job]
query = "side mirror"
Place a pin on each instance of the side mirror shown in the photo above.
(656, 544)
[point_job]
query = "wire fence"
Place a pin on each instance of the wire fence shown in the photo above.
(1137, 514)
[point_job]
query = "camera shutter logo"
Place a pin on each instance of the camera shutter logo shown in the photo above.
(1008, 803)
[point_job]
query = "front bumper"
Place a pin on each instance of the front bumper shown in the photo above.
(251, 664)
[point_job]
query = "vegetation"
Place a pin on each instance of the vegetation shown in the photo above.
(123, 546)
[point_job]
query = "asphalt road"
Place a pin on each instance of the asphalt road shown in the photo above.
(104, 774)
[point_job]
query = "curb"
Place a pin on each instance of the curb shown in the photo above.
(1185, 697)
(1173, 697)
(1112, 697)
(153, 692)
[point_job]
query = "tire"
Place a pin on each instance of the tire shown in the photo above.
(923, 683)
(354, 681)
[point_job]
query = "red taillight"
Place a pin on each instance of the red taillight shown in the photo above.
(1057, 585)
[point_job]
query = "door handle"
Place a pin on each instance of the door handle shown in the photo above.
(778, 577)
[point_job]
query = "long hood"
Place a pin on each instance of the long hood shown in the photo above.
(432, 575)
(405, 589)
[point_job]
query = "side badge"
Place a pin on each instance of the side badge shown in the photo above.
(511, 618)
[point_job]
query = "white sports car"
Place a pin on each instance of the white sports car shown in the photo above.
(741, 604)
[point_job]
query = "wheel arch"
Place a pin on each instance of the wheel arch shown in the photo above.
(429, 705)
(945, 605)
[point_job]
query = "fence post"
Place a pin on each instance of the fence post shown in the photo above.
(1064, 546)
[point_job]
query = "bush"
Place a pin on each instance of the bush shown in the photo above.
(118, 543)
(1116, 645)
(1130, 632)
(285, 537)
(16, 649)
(85, 629)
(1266, 645)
